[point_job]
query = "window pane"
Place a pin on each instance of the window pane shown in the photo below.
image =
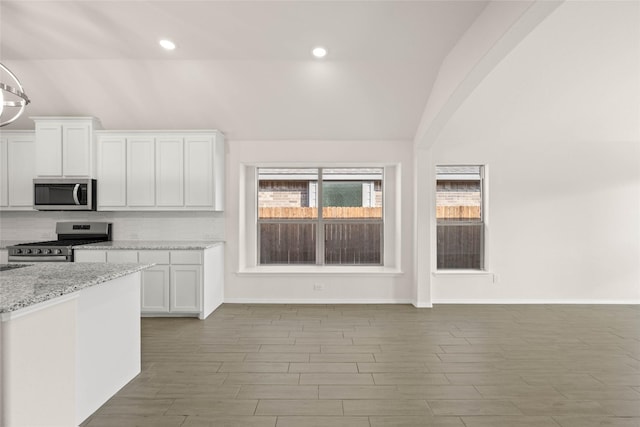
(290, 228)
(287, 193)
(288, 243)
(459, 246)
(460, 240)
(458, 193)
(352, 193)
(353, 243)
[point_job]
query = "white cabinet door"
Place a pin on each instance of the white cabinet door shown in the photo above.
(155, 289)
(4, 256)
(140, 171)
(21, 166)
(185, 288)
(4, 173)
(76, 149)
(112, 172)
(48, 149)
(17, 170)
(169, 172)
(198, 171)
(65, 146)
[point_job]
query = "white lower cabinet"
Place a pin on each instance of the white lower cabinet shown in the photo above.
(4, 256)
(155, 290)
(181, 283)
(185, 288)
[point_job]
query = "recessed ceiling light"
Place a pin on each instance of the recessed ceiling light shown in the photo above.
(167, 44)
(319, 52)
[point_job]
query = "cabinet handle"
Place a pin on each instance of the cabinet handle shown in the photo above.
(75, 194)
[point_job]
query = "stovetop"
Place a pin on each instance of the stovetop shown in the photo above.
(70, 234)
(65, 242)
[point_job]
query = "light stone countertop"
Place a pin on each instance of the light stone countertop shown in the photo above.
(140, 245)
(40, 282)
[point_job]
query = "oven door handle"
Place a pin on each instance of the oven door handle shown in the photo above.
(75, 194)
(48, 258)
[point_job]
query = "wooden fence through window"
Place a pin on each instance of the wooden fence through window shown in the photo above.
(458, 212)
(334, 212)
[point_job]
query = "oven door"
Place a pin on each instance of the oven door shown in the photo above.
(64, 194)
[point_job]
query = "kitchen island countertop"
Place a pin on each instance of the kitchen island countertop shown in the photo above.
(152, 245)
(39, 282)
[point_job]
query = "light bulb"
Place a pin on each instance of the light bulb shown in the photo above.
(167, 44)
(319, 52)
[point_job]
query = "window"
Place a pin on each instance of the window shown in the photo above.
(460, 217)
(326, 216)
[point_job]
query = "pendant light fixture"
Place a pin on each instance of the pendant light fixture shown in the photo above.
(11, 96)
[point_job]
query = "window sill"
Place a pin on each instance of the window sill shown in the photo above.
(448, 273)
(320, 270)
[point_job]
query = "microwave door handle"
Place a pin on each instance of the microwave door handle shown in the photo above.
(75, 194)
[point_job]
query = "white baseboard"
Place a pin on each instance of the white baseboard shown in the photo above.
(314, 301)
(539, 301)
(438, 301)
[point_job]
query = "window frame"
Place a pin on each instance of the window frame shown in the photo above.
(468, 222)
(320, 221)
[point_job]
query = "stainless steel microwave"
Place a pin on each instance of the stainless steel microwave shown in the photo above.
(64, 194)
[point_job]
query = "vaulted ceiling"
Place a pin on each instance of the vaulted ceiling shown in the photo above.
(243, 67)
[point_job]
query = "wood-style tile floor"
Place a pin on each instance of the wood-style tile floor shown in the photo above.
(386, 365)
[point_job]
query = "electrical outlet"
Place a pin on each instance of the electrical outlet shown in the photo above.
(496, 278)
(318, 287)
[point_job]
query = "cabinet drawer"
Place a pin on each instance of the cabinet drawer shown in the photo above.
(156, 257)
(186, 257)
(122, 256)
(89, 256)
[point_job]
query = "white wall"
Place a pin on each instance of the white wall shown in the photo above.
(38, 226)
(338, 287)
(558, 124)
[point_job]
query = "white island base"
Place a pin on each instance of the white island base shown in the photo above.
(64, 358)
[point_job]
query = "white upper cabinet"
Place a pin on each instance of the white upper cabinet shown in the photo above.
(169, 170)
(65, 146)
(17, 170)
(204, 171)
(4, 173)
(49, 151)
(77, 149)
(112, 172)
(140, 172)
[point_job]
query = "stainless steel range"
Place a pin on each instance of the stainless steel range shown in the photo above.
(70, 234)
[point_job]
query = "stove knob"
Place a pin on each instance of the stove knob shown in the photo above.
(36, 251)
(47, 251)
(57, 251)
(27, 251)
(17, 251)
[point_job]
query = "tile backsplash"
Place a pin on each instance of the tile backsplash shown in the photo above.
(34, 226)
